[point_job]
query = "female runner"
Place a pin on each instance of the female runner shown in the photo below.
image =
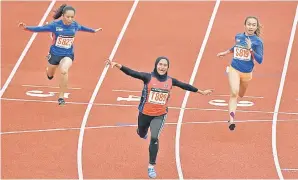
(247, 50)
(61, 51)
(153, 107)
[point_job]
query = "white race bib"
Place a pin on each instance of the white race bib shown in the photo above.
(158, 97)
(242, 54)
(64, 42)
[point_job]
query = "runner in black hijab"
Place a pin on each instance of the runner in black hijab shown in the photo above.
(153, 107)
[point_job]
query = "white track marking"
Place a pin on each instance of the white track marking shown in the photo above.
(226, 95)
(279, 95)
(0, 78)
(43, 86)
(134, 125)
(289, 169)
(155, 0)
(27, 47)
(94, 94)
(191, 81)
(123, 90)
(223, 95)
(132, 105)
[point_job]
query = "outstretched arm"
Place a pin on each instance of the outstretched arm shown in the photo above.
(221, 54)
(145, 77)
(87, 29)
(228, 51)
(44, 28)
(189, 87)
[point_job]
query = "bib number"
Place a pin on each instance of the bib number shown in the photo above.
(158, 97)
(242, 54)
(64, 42)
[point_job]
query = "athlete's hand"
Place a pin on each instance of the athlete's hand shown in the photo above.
(248, 42)
(112, 64)
(99, 29)
(206, 92)
(22, 25)
(222, 54)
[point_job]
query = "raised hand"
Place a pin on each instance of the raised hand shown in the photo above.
(206, 92)
(99, 29)
(22, 25)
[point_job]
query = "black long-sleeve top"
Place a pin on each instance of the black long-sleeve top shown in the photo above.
(146, 77)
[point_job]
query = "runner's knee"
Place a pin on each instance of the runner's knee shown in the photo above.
(64, 71)
(234, 92)
(154, 136)
(154, 139)
(141, 132)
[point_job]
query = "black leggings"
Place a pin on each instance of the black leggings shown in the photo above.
(156, 124)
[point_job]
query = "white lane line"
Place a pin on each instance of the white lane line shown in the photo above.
(289, 169)
(44, 86)
(154, 0)
(279, 95)
(134, 125)
(226, 95)
(95, 92)
(220, 95)
(135, 105)
(123, 90)
(191, 81)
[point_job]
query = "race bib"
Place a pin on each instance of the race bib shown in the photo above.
(64, 42)
(157, 96)
(242, 54)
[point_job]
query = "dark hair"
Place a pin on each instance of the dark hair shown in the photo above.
(259, 26)
(61, 10)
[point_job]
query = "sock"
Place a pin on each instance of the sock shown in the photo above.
(233, 115)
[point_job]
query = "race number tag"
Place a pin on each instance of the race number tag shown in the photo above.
(157, 96)
(242, 54)
(64, 42)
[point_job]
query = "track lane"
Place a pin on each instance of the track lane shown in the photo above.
(91, 52)
(287, 137)
(242, 155)
(39, 155)
(156, 29)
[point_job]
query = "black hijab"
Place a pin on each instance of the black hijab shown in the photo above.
(158, 76)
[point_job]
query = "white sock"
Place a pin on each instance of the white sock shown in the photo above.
(150, 166)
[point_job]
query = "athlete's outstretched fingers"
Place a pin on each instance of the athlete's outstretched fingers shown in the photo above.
(99, 29)
(22, 25)
(108, 62)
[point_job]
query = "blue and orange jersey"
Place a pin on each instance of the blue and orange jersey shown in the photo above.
(63, 35)
(243, 58)
(155, 96)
